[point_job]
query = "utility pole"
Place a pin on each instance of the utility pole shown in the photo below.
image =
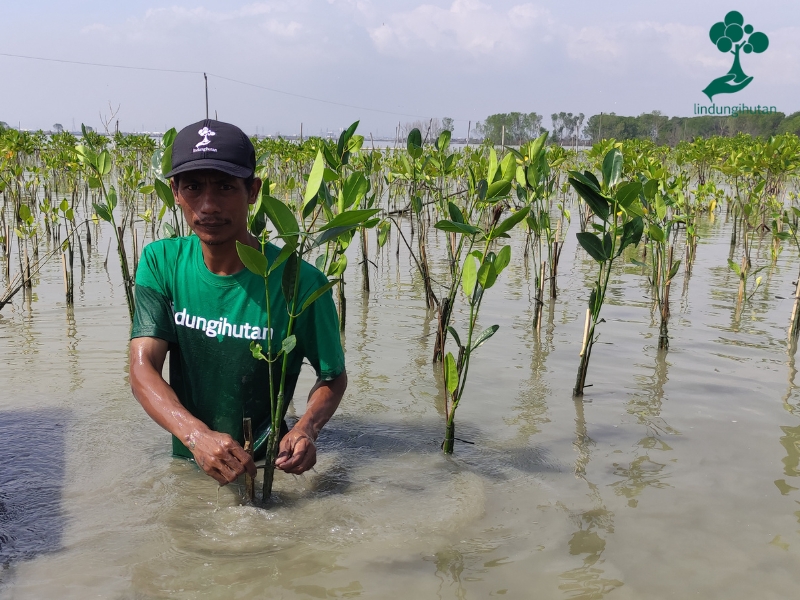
(206, 79)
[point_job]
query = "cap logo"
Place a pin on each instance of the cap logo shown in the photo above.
(201, 146)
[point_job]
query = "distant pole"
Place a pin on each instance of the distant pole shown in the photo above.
(469, 126)
(601, 126)
(503, 136)
(301, 133)
(206, 79)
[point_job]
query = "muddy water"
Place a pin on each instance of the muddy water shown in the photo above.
(676, 476)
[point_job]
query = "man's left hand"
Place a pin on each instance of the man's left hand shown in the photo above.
(298, 452)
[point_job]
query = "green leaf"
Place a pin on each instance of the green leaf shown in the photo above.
(69, 214)
(288, 344)
(318, 293)
(487, 275)
(639, 263)
(171, 233)
(508, 167)
(593, 245)
(64, 205)
(450, 373)
(673, 271)
(112, 198)
(454, 334)
(94, 182)
(102, 212)
(104, 163)
(509, 223)
(498, 189)
(255, 350)
(734, 267)
(169, 136)
(655, 233)
(164, 192)
(166, 161)
(414, 143)
(631, 233)
(485, 335)
(598, 203)
(383, 233)
(628, 193)
(314, 178)
(350, 218)
(285, 252)
(469, 275)
(253, 259)
(24, 212)
(290, 273)
(282, 218)
(338, 266)
(502, 260)
(443, 141)
(492, 173)
(354, 189)
(332, 234)
(455, 213)
(612, 168)
(147, 189)
(452, 226)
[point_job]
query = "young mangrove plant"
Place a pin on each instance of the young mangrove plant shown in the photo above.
(284, 271)
(616, 204)
(477, 273)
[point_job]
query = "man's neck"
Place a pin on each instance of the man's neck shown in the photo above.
(223, 259)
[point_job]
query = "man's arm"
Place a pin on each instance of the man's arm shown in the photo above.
(218, 454)
(298, 452)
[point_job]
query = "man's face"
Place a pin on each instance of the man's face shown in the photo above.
(215, 204)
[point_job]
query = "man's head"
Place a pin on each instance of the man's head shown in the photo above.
(213, 179)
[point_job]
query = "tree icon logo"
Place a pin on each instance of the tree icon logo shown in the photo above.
(733, 36)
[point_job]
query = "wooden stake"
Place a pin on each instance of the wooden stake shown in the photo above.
(249, 482)
(586, 331)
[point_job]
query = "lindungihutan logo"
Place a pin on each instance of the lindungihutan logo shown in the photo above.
(734, 37)
(202, 145)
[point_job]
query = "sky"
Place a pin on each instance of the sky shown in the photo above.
(327, 63)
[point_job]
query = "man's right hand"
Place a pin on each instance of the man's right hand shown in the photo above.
(220, 456)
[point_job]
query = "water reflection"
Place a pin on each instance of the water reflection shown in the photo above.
(588, 581)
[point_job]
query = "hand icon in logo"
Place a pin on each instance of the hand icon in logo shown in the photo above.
(205, 132)
(732, 36)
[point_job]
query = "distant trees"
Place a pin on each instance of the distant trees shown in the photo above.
(58, 128)
(518, 128)
(664, 130)
(448, 124)
(566, 128)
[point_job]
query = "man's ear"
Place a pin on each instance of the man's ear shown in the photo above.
(254, 191)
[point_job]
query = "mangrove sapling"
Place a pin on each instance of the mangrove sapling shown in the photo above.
(537, 183)
(616, 203)
(661, 222)
(98, 165)
(297, 242)
(477, 273)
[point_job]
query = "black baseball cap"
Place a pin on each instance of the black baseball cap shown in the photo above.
(210, 144)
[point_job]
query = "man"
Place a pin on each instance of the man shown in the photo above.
(195, 299)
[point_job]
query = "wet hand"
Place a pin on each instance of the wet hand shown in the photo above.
(220, 456)
(298, 453)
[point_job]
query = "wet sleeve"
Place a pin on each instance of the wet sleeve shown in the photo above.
(319, 336)
(153, 316)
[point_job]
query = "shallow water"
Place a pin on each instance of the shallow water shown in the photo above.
(675, 476)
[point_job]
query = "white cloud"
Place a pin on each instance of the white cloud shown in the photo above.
(466, 26)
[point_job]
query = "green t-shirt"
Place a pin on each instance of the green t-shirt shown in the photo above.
(210, 320)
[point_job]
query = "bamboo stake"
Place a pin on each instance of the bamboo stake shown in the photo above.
(586, 331)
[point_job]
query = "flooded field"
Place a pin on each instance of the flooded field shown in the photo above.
(675, 476)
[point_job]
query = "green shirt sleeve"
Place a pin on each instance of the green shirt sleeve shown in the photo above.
(153, 316)
(318, 329)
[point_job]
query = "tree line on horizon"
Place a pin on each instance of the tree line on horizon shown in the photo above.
(568, 130)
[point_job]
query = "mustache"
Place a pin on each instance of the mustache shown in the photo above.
(211, 222)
